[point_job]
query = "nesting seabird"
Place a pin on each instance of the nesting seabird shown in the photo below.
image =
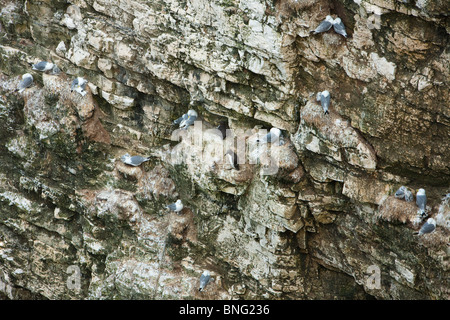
(324, 26)
(232, 159)
(205, 278)
(273, 136)
(189, 120)
(409, 196)
(134, 161)
(55, 70)
(427, 227)
(45, 66)
(400, 193)
(186, 119)
(79, 85)
(421, 201)
(27, 81)
(176, 206)
(339, 27)
(178, 121)
(324, 98)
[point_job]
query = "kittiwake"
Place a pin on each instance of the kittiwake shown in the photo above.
(324, 98)
(27, 81)
(427, 227)
(232, 159)
(133, 160)
(324, 26)
(79, 85)
(273, 136)
(409, 196)
(186, 119)
(189, 120)
(339, 27)
(400, 193)
(45, 66)
(178, 121)
(205, 278)
(176, 206)
(421, 201)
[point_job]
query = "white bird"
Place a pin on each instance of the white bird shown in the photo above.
(79, 85)
(427, 227)
(339, 27)
(409, 196)
(324, 26)
(133, 160)
(27, 81)
(176, 207)
(45, 66)
(186, 119)
(421, 200)
(273, 136)
(400, 193)
(205, 278)
(232, 159)
(324, 98)
(178, 121)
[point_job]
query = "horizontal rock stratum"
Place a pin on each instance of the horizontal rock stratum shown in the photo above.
(313, 217)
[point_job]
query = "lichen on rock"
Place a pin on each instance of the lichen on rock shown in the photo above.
(309, 217)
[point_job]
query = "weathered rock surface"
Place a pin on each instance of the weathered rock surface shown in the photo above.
(311, 218)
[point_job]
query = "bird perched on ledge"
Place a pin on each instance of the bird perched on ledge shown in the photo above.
(324, 26)
(404, 193)
(45, 66)
(176, 206)
(79, 85)
(400, 193)
(329, 22)
(232, 159)
(272, 137)
(27, 81)
(409, 196)
(421, 201)
(186, 119)
(339, 27)
(205, 278)
(427, 227)
(324, 98)
(134, 161)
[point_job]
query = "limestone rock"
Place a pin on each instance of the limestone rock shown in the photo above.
(311, 218)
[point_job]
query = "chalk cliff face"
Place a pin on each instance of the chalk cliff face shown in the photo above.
(312, 218)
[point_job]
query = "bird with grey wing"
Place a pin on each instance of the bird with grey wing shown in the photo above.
(79, 85)
(186, 119)
(324, 26)
(404, 193)
(178, 121)
(339, 27)
(45, 66)
(205, 278)
(324, 98)
(232, 159)
(26, 82)
(421, 201)
(272, 137)
(176, 206)
(409, 196)
(427, 227)
(400, 193)
(134, 161)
